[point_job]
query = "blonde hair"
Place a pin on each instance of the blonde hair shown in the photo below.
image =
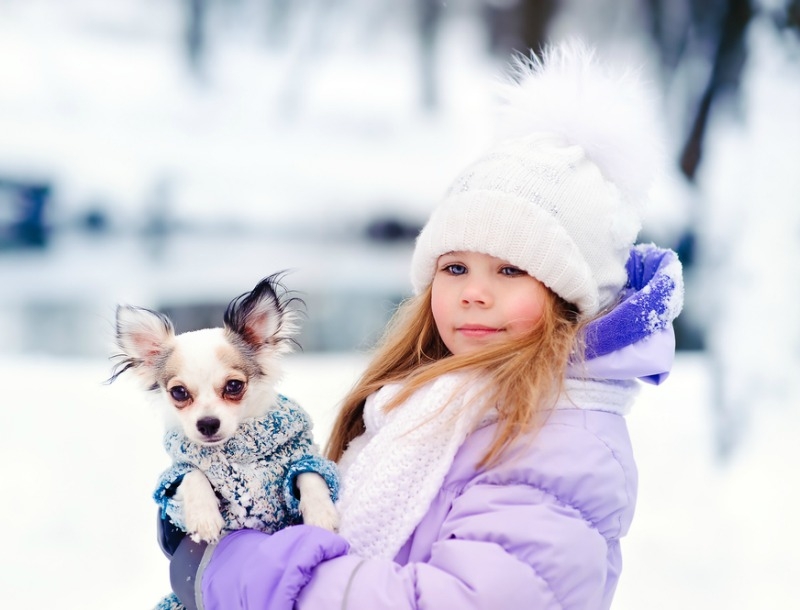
(526, 373)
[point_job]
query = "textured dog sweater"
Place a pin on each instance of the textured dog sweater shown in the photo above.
(253, 472)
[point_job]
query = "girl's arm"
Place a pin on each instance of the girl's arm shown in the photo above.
(521, 549)
(511, 547)
(539, 530)
(251, 570)
(542, 534)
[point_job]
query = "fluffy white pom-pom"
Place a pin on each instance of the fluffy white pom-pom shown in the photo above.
(609, 112)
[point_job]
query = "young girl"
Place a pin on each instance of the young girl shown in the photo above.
(484, 455)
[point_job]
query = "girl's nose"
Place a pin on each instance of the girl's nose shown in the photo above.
(476, 293)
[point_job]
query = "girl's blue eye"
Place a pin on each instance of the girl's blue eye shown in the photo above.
(512, 271)
(455, 269)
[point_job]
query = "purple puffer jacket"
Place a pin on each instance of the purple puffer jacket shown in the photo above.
(540, 529)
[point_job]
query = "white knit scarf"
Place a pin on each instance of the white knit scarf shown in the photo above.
(391, 473)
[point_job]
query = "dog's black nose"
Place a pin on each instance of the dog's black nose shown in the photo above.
(208, 426)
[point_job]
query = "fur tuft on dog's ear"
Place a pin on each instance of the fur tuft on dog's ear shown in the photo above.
(263, 316)
(142, 336)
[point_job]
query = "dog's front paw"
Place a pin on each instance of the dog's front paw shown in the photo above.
(202, 518)
(204, 525)
(316, 505)
(322, 514)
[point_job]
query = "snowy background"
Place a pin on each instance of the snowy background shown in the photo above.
(317, 140)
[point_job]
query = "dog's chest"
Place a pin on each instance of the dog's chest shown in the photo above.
(248, 477)
(251, 493)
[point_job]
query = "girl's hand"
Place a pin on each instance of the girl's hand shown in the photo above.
(250, 569)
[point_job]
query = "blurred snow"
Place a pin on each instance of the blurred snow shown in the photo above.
(82, 458)
(749, 234)
(101, 99)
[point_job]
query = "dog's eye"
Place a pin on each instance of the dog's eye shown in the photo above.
(179, 393)
(234, 387)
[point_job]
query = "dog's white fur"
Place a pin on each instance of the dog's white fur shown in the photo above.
(212, 380)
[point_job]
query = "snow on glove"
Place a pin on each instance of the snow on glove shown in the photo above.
(250, 570)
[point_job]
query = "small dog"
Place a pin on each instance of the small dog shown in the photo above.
(241, 452)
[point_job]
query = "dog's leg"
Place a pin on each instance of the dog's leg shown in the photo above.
(316, 505)
(200, 507)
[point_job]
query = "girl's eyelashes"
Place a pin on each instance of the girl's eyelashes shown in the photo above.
(512, 271)
(454, 268)
(461, 269)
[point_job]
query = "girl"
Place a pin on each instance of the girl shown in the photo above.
(484, 455)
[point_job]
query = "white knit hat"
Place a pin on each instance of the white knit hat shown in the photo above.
(560, 194)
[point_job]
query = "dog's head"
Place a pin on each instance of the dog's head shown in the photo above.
(212, 379)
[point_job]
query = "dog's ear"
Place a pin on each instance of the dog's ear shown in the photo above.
(142, 337)
(261, 317)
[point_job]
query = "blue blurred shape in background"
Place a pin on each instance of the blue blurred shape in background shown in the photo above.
(23, 206)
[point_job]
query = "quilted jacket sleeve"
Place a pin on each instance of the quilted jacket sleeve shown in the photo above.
(490, 568)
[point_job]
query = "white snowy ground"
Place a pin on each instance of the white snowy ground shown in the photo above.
(80, 458)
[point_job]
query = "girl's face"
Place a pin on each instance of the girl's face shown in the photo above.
(479, 300)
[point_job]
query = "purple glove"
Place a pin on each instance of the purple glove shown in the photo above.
(250, 570)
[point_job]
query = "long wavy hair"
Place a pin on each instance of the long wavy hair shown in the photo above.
(525, 374)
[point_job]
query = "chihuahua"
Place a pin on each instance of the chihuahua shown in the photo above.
(242, 453)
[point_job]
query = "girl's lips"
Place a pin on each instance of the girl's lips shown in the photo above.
(477, 331)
